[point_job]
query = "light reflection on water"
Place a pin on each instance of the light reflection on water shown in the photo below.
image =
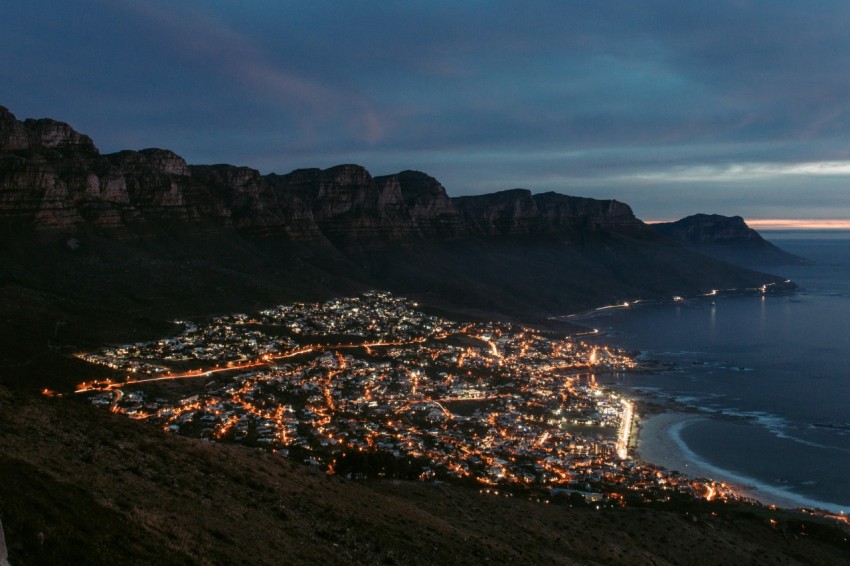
(775, 368)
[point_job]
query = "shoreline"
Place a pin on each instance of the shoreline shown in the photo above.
(657, 441)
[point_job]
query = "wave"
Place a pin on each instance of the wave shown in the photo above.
(782, 496)
(778, 427)
(677, 353)
(774, 424)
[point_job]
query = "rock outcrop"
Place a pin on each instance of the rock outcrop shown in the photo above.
(349, 206)
(41, 134)
(431, 210)
(257, 207)
(13, 134)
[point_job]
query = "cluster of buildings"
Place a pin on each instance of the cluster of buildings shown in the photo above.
(226, 339)
(372, 386)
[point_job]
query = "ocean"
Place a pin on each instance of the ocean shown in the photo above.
(772, 373)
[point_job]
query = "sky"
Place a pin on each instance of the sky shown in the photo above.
(674, 107)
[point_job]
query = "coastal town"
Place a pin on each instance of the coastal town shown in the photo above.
(373, 386)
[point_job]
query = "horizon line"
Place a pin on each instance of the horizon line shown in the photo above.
(788, 223)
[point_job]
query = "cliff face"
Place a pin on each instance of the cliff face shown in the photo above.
(348, 205)
(44, 134)
(506, 213)
(53, 179)
(121, 193)
(727, 238)
(256, 205)
(568, 213)
(519, 213)
(97, 246)
(430, 209)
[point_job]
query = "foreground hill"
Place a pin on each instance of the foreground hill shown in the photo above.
(85, 486)
(727, 238)
(101, 248)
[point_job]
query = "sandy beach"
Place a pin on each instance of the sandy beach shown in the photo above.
(659, 442)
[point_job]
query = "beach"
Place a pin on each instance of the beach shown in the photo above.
(750, 391)
(658, 442)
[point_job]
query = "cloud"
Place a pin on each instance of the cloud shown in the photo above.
(738, 103)
(743, 172)
(202, 39)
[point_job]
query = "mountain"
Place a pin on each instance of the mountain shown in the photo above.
(59, 183)
(103, 247)
(54, 180)
(727, 238)
(109, 247)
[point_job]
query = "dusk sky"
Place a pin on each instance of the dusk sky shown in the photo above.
(730, 107)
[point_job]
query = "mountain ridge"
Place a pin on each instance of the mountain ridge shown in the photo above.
(92, 239)
(55, 179)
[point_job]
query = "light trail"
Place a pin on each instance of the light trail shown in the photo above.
(113, 408)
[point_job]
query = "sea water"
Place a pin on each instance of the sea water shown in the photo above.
(773, 372)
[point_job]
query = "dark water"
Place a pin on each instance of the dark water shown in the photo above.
(777, 365)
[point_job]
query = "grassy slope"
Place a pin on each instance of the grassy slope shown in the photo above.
(83, 486)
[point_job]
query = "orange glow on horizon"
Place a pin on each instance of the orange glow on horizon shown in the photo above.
(789, 223)
(798, 224)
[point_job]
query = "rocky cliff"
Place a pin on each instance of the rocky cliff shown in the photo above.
(41, 134)
(54, 179)
(95, 247)
(727, 238)
(350, 207)
(518, 212)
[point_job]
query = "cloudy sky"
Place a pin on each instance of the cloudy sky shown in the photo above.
(731, 107)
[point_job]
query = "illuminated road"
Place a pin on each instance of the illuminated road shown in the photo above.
(86, 387)
(625, 430)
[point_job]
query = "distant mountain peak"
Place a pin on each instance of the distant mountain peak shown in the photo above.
(700, 229)
(728, 238)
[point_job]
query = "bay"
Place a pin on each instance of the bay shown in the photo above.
(771, 372)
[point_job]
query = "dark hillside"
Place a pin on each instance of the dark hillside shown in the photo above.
(84, 486)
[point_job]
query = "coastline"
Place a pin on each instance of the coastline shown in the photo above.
(657, 441)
